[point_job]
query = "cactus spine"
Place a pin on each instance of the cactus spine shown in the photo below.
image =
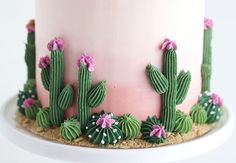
(206, 67)
(172, 87)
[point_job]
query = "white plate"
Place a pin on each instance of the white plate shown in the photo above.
(32, 143)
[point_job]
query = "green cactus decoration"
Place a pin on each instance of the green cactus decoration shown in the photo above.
(45, 76)
(184, 122)
(153, 131)
(198, 114)
(213, 104)
(130, 126)
(42, 118)
(103, 129)
(30, 51)
(65, 99)
(206, 67)
(31, 108)
(88, 96)
(173, 88)
(70, 129)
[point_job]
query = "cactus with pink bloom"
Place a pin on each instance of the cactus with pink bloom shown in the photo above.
(31, 108)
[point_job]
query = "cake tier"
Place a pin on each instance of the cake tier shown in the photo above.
(123, 36)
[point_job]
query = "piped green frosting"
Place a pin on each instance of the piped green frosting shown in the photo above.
(32, 111)
(45, 77)
(42, 118)
(97, 94)
(70, 129)
(103, 136)
(66, 97)
(147, 127)
(130, 126)
(198, 114)
(30, 60)
(183, 123)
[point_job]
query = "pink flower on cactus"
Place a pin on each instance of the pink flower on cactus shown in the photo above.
(216, 99)
(28, 102)
(168, 44)
(44, 62)
(56, 44)
(87, 60)
(30, 26)
(105, 121)
(158, 131)
(208, 23)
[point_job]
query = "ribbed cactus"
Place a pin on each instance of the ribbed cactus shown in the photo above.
(88, 96)
(52, 76)
(206, 67)
(30, 56)
(172, 87)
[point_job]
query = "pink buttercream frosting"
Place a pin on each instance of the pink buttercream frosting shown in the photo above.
(87, 60)
(44, 62)
(30, 26)
(168, 44)
(158, 131)
(56, 44)
(208, 23)
(216, 99)
(105, 121)
(28, 103)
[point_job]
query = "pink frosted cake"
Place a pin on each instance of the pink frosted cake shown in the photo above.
(111, 71)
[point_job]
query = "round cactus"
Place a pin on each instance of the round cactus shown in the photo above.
(153, 131)
(130, 126)
(198, 114)
(103, 129)
(42, 118)
(183, 123)
(70, 129)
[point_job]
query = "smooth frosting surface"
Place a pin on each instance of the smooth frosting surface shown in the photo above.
(123, 36)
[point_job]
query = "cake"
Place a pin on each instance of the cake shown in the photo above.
(102, 73)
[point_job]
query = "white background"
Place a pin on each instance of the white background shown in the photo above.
(15, 13)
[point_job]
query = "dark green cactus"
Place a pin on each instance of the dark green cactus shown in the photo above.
(97, 94)
(173, 89)
(65, 99)
(30, 60)
(45, 77)
(206, 68)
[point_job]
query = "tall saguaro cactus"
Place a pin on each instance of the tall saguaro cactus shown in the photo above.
(173, 88)
(88, 96)
(206, 67)
(52, 75)
(30, 50)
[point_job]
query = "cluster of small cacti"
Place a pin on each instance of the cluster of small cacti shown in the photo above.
(173, 88)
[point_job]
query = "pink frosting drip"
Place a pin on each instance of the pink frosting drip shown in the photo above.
(87, 60)
(105, 121)
(28, 103)
(56, 44)
(30, 26)
(168, 44)
(208, 23)
(44, 62)
(217, 100)
(158, 131)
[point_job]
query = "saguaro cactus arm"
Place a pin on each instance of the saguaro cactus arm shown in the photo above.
(183, 81)
(66, 97)
(44, 64)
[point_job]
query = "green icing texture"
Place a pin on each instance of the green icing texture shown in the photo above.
(130, 126)
(32, 111)
(97, 94)
(42, 118)
(103, 136)
(66, 97)
(31, 38)
(70, 129)
(30, 85)
(198, 114)
(146, 129)
(183, 123)
(45, 77)
(206, 68)
(30, 58)
(184, 79)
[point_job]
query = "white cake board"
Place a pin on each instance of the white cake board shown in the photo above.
(37, 145)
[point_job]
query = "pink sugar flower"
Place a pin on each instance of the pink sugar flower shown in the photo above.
(216, 99)
(28, 102)
(44, 62)
(56, 44)
(86, 60)
(30, 26)
(105, 121)
(158, 131)
(168, 44)
(208, 23)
